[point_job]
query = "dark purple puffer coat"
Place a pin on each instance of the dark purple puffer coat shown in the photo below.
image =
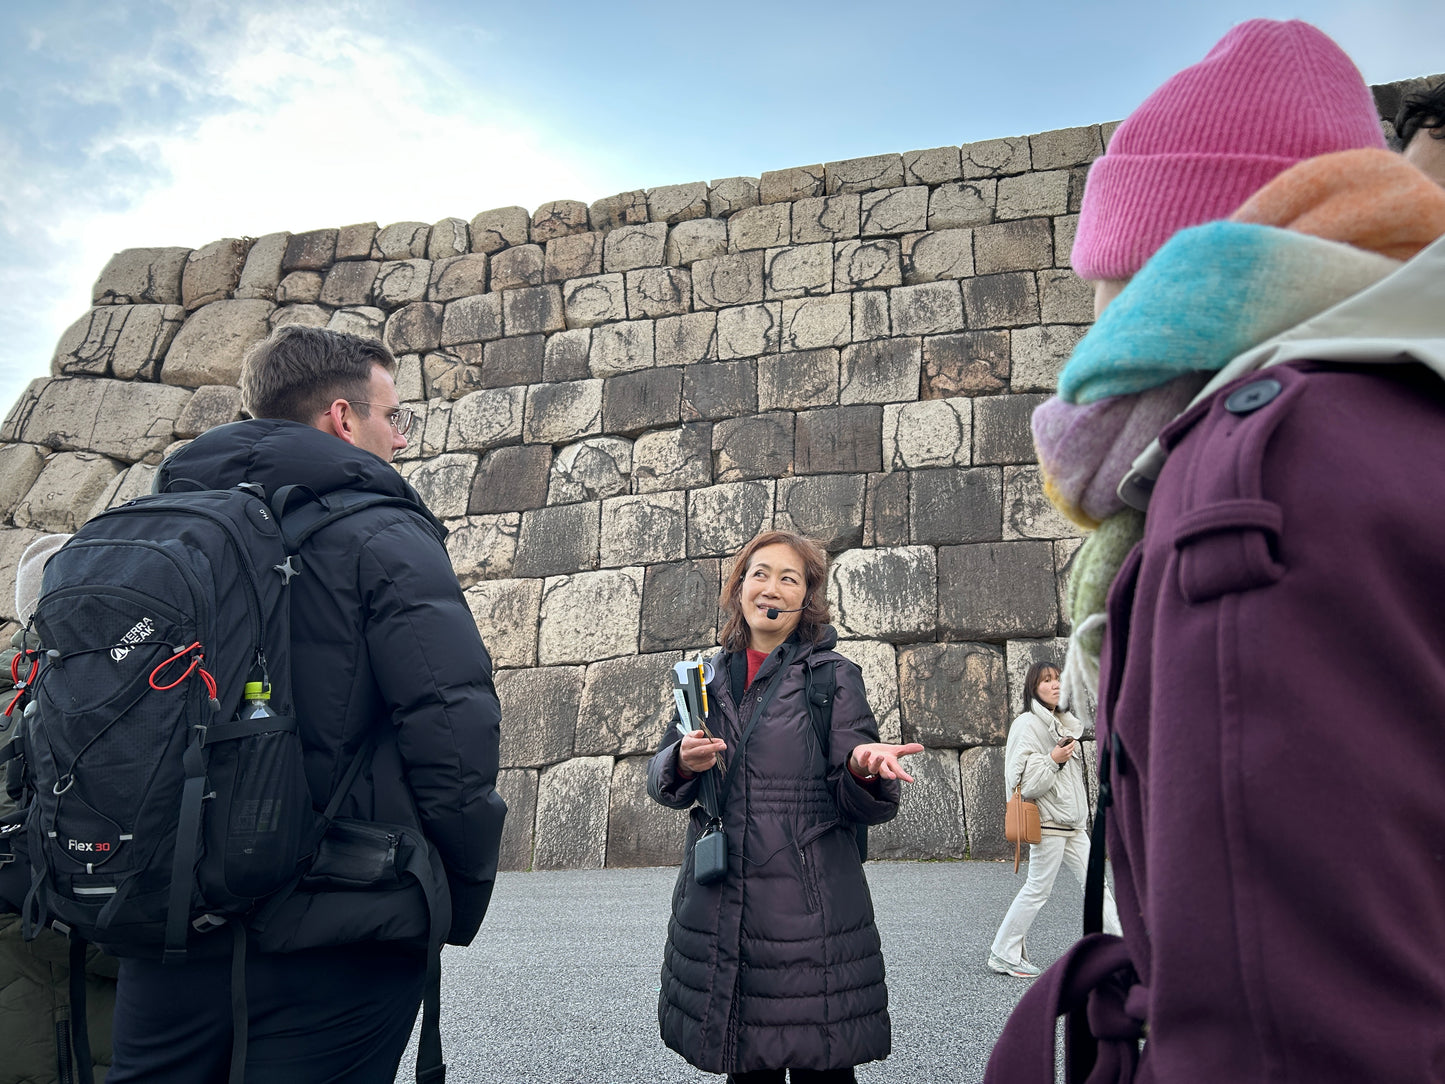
(778, 965)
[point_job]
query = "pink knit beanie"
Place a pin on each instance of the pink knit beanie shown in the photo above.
(1269, 95)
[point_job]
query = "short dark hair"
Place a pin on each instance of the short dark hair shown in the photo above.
(815, 574)
(1425, 109)
(297, 372)
(1032, 679)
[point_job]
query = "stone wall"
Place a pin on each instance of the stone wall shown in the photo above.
(613, 398)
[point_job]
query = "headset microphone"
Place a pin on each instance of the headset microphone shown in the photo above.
(773, 611)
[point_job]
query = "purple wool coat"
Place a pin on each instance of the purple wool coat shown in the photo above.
(1274, 671)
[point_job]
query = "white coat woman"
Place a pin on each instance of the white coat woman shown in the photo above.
(1044, 758)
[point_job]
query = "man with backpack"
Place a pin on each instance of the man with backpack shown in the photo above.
(399, 726)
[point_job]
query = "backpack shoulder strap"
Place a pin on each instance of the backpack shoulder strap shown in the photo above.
(821, 683)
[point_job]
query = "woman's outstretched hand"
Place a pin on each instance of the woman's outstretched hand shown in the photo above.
(880, 758)
(699, 752)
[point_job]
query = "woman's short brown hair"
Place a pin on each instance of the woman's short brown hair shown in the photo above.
(815, 613)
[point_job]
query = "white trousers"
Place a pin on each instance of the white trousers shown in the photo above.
(1069, 848)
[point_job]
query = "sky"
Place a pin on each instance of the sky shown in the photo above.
(178, 122)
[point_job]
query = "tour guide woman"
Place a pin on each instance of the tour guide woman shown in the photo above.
(778, 964)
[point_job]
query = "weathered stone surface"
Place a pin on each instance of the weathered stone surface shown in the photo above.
(675, 203)
(301, 288)
(879, 664)
(518, 788)
(658, 291)
(210, 347)
(807, 378)
(1013, 246)
(885, 512)
(509, 362)
(213, 272)
(629, 247)
(125, 341)
(356, 242)
(590, 470)
(262, 270)
(953, 695)
(1008, 300)
(721, 518)
(926, 309)
(475, 319)
(400, 282)
(870, 315)
(298, 316)
(679, 605)
(882, 371)
(1064, 298)
(828, 508)
(788, 185)
(1034, 194)
(429, 434)
(894, 211)
(588, 302)
(626, 705)
(720, 389)
(523, 265)
(885, 593)
(511, 479)
(736, 279)
(444, 482)
(414, 328)
(141, 276)
(938, 165)
(448, 238)
(1066, 147)
(209, 407)
(506, 615)
(349, 283)
(485, 419)
(572, 802)
(981, 770)
(575, 256)
(20, 465)
(673, 458)
(861, 264)
(492, 231)
(962, 205)
(401, 241)
(642, 400)
(1066, 228)
(644, 529)
(363, 321)
(409, 384)
(813, 322)
(932, 433)
(565, 356)
(864, 174)
(453, 277)
(996, 591)
(623, 209)
(996, 157)
(590, 616)
(698, 239)
(558, 539)
(826, 218)
(483, 547)
(798, 271)
(748, 330)
(449, 373)
(756, 446)
(839, 440)
(12, 545)
(560, 218)
(1027, 512)
(930, 815)
(765, 226)
(621, 348)
(314, 250)
(953, 506)
(640, 832)
(135, 481)
(731, 194)
(682, 340)
(532, 310)
(559, 413)
(1037, 355)
(942, 254)
(65, 491)
(974, 363)
(1001, 432)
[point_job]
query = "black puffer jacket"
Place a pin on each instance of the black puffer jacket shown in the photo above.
(382, 644)
(778, 965)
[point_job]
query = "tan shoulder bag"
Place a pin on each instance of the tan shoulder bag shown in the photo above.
(1021, 823)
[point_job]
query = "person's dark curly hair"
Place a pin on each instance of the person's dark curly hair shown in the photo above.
(1423, 110)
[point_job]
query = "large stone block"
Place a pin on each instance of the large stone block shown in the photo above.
(524, 265)
(642, 400)
(208, 407)
(699, 239)
(475, 319)
(590, 616)
(539, 714)
(885, 511)
(864, 174)
(673, 203)
(356, 242)
(1066, 228)
(894, 211)
(720, 389)
(512, 479)
(813, 322)
(955, 506)
(623, 209)
(885, 594)
(363, 321)
(827, 508)
(798, 271)
(443, 481)
(412, 329)
(790, 185)
(1027, 512)
(996, 591)
(484, 419)
(400, 282)
(558, 540)
(882, 371)
(492, 231)
(735, 279)
(458, 276)
(621, 348)
(442, 374)
(113, 417)
(942, 254)
(760, 227)
(1022, 245)
(572, 257)
(721, 518)
(518, 788)
(314, 250)
(124, 341)
(826, 218)
(213, 272)
(65, 491)
(1064, 298)
(680, 605)
(211, 345)
(572, 803)
(447, 239)
(1007, 300)
(560, 218)
(484, 547)
(506, 613)
(532, 310)
(349, 283)
(559, 413)
(590, 470)
(1066, 147)
(513, 361)
(996, 157)
(748, 330)
(755, 446)
(682, 340)
(300, 288)
(401, 241)
(879, 663)
(639, 831)
(807, 378)
(962, 205)
(929, 308)
(981, 770)
(20, 466)
(658, 291)
(933, 433)
(135, 481)
(974, 363)
(1001, 432)
(627, 705)
(1034, 195)
(935, 166)
(731, 194)
(643, 530)
(262, 270)
(629, 247)
(953, 695)
(141, 276)
(565, 356)
(870, 315)
(930, 814)
(839, 440)
(678, 458)
(596, 300)
(1037, 355)
(299, 316)
(860, 265)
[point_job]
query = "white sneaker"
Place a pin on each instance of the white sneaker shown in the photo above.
(1021, 970)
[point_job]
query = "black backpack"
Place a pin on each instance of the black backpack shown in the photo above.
(820, 689)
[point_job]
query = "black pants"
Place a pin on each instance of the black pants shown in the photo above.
(321, 1015)
(799, 1076)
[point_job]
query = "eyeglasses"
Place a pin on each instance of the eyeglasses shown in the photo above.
(399, 417)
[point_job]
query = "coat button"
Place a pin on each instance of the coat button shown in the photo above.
(1252, 396)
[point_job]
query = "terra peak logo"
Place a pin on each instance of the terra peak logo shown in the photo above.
(138, 634)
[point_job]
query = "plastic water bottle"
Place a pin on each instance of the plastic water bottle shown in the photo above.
(257, 697)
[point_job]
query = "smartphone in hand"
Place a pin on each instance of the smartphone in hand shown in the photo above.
(1065, 740)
